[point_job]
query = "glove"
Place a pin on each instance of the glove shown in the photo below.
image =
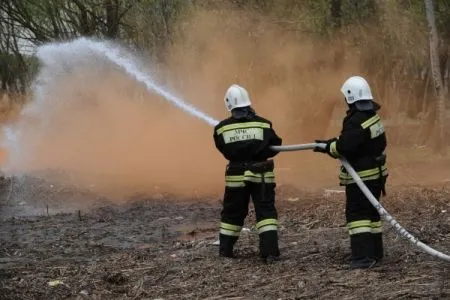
(327, 148)
(319, 149)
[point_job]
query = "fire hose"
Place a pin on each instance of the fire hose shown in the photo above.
(381, 210)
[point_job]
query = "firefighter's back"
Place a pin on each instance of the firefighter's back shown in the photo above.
(245, 140)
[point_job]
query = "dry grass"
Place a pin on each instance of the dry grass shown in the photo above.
(152, 249)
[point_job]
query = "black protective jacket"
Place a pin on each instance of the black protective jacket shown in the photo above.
(362, 142)
(246, 137)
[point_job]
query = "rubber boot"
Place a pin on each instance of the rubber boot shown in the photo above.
(378, 246)
(362, 248)
(226, 245)
(268, 246)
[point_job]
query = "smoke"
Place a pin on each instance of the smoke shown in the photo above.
(293, 79)
(116, 138)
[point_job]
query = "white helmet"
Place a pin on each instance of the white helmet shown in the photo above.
(236, 96)
(356, 89)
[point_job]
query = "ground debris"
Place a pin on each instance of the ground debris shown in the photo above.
(166, 250)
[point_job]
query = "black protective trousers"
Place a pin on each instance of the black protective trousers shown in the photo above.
(363, 222)
(235, 209)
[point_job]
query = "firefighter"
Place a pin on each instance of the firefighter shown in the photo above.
(244, 139)
(362, 142)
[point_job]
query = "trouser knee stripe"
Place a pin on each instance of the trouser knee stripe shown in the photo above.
(267, 228)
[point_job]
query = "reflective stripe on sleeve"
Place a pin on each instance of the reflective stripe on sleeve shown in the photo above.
(333, 149)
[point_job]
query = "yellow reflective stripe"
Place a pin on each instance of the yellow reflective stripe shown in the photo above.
(376, 230)
(349, 181)
(249, 174)
(269, 177)
(267, 228)
(242, 125)
(239, 180)
(266, 174)
(370, 121)
(266, 222)
(371, 172)
(366, 173)
(230, 226)
(235, 184)
(360, 226)
(360, 230)
(376, 176)
(267, 225)
(230, 229)
(259, 180)
(376, 224)
(346, 181)
(359, 223)
(234, 177)
(333, 150)
(376, 130)
(234, 181)
(376, 227)
(229, 232)
(243, 134)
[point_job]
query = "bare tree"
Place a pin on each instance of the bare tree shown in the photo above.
(39, 21)
(13, 67)
(436, 73)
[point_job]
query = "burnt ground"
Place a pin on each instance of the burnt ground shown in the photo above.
(164, 249)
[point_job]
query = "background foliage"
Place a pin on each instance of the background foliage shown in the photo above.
(396, 33)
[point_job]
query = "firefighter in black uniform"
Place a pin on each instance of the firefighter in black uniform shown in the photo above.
(362, 142)
(244, 139)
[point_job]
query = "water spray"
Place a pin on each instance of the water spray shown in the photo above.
(115, 56)
(50, 53)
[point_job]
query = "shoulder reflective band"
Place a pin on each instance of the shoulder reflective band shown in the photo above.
(242, 126)
(375, 125)
(370, 122)
(376, 129)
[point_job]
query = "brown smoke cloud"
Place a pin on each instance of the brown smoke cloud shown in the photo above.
(118, 139)
(293, 80)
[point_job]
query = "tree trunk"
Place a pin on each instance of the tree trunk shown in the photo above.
(336, 13)
(339, 40)
(437, 77)
(112, 18)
